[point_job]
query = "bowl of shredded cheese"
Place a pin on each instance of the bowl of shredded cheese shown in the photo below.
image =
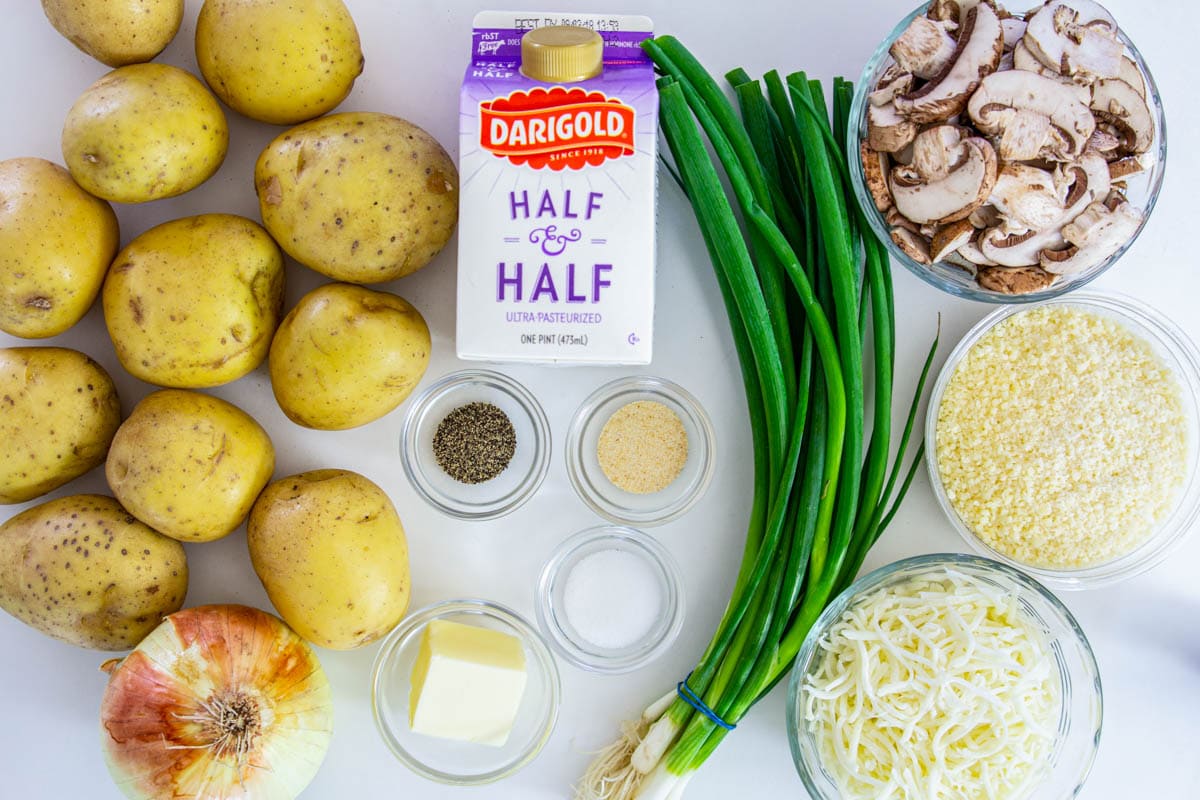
(1062, 438)
(945, 677)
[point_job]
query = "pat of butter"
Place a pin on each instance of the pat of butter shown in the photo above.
(467, 683)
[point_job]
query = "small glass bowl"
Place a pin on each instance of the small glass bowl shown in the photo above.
(1082, 712)
(617, 505)
(1142, 191)
(446, 760)
(508, 490)
(566, 639)
(1179, 353)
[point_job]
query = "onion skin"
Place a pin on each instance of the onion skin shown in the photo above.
(219, 702)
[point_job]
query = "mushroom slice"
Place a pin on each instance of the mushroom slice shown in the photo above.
(1017, 249)
(1129, 165)
(954, 11)
(1003, 96)
(977, 54)
(897, 220)
(890, 87)
(953, 197)
(911, 244)
(986, 216)
(1026, 198)
(956, 260)
(887, 131)
(937, 150)
(1028, 62)
(875, 169)
(924, 49)
(1116, 102)
(971, 252)
(1103, 142)
(1077, 38)
(1007, 280)
(1093, 236)
(948, 238)
(1014, 29)
(1131, 74)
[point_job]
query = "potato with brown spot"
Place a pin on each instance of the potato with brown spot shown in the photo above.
(83, 570)
(144, 132)
(360, 197)
(56, 242)
(117, 32)
(346, 356)
(329, 549)
(194, 302)
(58, 413)
(278, 61)
(189, 465)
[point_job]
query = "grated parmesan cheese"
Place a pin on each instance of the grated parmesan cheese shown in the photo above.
(937, 688)
(1062, 438)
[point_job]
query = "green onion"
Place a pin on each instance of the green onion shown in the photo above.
(804, 283)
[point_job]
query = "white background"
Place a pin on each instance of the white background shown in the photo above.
(1146, 632)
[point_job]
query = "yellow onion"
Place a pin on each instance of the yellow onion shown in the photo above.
(219, 702)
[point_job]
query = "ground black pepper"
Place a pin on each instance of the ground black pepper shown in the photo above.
(474, 443)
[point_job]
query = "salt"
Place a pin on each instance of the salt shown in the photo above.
(612, 598)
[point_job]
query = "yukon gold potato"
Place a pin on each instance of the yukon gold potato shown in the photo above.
(83, 570)
(58, 413)
(117, 32)
(360, 197)
(144, 132)
(189, 465)
(56, 242)
(276, 60)
(329, 548)
(345, 356)
(194, 302)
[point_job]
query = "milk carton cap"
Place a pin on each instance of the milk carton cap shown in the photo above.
(561, 54)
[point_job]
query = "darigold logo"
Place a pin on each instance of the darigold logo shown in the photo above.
(557, 128)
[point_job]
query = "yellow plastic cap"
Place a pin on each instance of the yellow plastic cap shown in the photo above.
(561, 54)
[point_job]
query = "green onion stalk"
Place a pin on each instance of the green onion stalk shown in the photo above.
(807, 289)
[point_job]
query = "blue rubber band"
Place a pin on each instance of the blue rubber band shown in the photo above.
(693, 700)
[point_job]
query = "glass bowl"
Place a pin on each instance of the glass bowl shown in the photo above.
(508, 490)
(446, 760)
(1179, 354)
(566, 638)
(1082, 711)
(618, 505)
(1142, 188)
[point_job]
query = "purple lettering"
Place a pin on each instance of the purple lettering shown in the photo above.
(544, 285)
(522, 204)
(567, 212)
(598, 282)
(503, 280)
(547, 206)
(572, 297)
(593, 204)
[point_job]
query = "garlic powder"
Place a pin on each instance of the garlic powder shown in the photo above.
(1062, 438)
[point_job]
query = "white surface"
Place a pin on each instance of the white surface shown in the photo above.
(1146, 632)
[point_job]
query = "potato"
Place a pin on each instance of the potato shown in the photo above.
(194, 302)
(144, 132)
(58, 413)
(117, 32)
(345, 356)
(56, 242)
(329, 549)
(276, 60)
(360, 197)
(81, 569)
(189, 465)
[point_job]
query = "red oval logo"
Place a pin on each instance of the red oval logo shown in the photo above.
(557, 128)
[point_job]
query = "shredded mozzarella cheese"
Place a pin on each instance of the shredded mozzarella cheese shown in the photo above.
(937, 688)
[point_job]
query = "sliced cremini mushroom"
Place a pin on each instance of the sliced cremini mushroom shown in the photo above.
(971, 252)
(1093, 236)
(1131, 74)
(954, 11)
(891, 85)
(1026, 198)
(953, 197)
(895, 219)
(1129, 165)
(986, 216)
(911, 244)
(1103, 142)
(875, 170)
(937, 150)
(1007, 280)
(925, 47)
(1077, 38)
(1014, 29)
(956, 260)
(977, 54)
(1028, 62)
(887, 130)
(948, 238)
(1116, 102)
(1015, 98)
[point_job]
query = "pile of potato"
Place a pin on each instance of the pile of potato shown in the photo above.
(198, 302)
